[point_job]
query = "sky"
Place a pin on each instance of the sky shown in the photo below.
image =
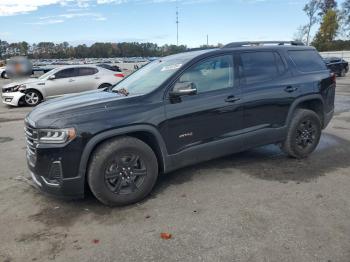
(89, 21)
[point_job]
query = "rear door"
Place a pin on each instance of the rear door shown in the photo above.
(87, 79)
(267, 92)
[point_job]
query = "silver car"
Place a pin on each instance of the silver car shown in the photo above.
(57, 82)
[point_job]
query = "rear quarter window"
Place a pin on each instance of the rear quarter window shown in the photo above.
(307, 60)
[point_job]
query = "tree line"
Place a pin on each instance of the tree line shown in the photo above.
(46, 50)
(333, 23)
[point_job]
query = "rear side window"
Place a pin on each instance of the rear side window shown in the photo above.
(261, 66)
(307, 60)
(86, 71)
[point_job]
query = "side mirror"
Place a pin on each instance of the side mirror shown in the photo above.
(51, 77)
(183, 89)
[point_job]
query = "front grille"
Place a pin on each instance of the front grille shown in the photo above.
(32, 141)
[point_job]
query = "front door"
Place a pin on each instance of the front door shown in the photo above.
(213, 113)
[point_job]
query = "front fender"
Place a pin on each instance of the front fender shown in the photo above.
(94, 141)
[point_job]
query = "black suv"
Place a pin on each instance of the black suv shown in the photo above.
(337, 65)
(176, 111)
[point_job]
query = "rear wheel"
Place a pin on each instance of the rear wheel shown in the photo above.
(303, 134)
(343, 72)
(122, 171)
(4, 75)
(32, 97)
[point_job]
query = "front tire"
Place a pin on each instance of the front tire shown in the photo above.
(122, 171)
(32, 98)
(342, 73)
(304, 134)
(4, 75)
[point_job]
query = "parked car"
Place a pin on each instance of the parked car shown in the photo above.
(176, 111)
(57, 82)
(3, 72)
(114, 68)
(337, 65)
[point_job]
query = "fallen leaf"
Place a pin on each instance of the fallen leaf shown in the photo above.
(165, 236)
(95, 241)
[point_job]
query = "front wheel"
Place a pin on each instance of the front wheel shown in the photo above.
(122, 171)
(304, 134)
(32, 98)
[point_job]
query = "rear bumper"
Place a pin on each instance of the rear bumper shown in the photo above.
(12, 98)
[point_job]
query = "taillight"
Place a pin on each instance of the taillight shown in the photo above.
(334, 77)
(119, 75)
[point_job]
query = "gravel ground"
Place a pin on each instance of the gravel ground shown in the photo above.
(252, 206)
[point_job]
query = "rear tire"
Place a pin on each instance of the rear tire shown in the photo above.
(4, 75)
(304, 134)
(343, 73)
(122, 171)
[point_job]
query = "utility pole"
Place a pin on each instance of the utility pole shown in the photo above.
(207, 40)
(177, 23)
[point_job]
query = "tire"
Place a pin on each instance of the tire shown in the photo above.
(104, 86)
(343, 73)
(32, 97)
(110, 183)
(304, 134)
(4, 75)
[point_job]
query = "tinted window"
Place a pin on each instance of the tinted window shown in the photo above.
(86, 71)
(69, 72)
(307, 60)
(212, 74)
(261, 66)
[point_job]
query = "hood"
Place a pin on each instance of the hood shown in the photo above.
(23, 82)
(69, 106)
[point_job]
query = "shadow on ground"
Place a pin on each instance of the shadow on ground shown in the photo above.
(266, 163)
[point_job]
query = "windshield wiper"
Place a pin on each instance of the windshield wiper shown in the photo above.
(121, 91)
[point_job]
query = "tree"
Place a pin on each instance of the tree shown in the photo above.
(345, 18)
(326, 5)
(327, 32)
(311, 9)
(301, 34)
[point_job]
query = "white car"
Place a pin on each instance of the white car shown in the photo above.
(3, 72)
(57, 82)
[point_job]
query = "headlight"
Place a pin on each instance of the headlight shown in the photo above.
(19, 88)
(56, 136)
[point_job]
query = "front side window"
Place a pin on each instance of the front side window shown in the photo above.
(261, 66)
(212, 74)
(65, 73)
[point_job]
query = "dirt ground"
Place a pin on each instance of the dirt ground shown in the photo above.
(253, 206)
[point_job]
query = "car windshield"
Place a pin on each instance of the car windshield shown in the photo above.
(149, 77)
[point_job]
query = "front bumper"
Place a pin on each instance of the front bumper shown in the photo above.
(12, 98)
(54, 168)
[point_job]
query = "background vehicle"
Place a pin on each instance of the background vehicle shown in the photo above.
(177, 111)
(3, 72)
(57, 82)
(337, 65)
(18, 67)
(110, 67)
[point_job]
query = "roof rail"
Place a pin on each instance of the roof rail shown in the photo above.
(259, 43)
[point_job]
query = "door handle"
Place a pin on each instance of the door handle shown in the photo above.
(290, 89)
(71, 80)
(232, 99)
(97, 77)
